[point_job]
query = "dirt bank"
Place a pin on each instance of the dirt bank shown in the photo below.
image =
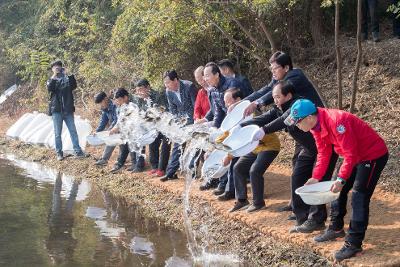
(261, 238)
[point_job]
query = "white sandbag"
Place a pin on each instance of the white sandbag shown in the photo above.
(15, 130)
(38, 119)
(7, 93)
(40, 136)
(35, 129)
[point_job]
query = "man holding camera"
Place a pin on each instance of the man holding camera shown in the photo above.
(61, 107)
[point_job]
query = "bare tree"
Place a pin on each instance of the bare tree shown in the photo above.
(338, 55)
(358, 61)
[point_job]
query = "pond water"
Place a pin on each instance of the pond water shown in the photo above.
(50, 219)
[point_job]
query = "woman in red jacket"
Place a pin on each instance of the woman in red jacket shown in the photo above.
(364, 155)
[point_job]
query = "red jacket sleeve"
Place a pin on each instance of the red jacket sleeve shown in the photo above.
(323, 157)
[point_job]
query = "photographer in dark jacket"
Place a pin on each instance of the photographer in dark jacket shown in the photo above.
(309, 218)
(61, 107)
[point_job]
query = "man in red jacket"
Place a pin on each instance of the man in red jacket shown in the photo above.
(364, 156)
(202, 104)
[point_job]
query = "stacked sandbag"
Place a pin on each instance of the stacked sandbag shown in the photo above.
(37, 128)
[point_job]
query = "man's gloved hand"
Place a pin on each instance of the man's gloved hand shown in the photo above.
(259, 135)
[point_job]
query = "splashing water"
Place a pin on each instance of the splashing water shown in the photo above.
(134, 124)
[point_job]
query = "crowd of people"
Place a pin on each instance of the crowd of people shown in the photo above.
(288, 103)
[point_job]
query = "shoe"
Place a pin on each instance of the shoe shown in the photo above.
(308, 226)
(166, 178)
(239, 205)
(152, 171)
(160, 173)
(116, 168)
(218, 191)
(329, 235)
(60, 157)
(206, 186)
(375, 37)
(253, 208)
(137, 169)
(226, 196)
(285, 208)
(347, 251)
(80, 155)
(291, 217)
(101, 162)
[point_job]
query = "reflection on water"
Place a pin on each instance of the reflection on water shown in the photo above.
(50, 219)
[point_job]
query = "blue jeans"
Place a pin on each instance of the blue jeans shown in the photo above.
(58, 119)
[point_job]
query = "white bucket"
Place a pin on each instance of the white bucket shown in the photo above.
(236, 116)
(212, 167)
(94, 140)
(241, 141)
(318, 193)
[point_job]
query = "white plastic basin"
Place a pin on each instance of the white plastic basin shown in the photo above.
(245, 149)
(317, 194)
(94, 140)
(212, 167)
(112, 140)
(241, 141)
(235, 116)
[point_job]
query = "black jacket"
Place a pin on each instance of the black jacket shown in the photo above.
(61, 97)
(274, 120)
(302, 86)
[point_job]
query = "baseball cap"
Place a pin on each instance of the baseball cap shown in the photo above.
(299, 110)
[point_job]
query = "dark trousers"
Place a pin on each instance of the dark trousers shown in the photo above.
(253, 165)
(370, 8)
(227, 182)
(137, 161)
(302, 171)
(173, 163)
(396, 22)
(363, 181)
(159, 159)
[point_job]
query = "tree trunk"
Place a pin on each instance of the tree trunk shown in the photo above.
(338, 56)
(316, 22)
(358, 61)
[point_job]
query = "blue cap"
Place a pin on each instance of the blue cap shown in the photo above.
(299, 110)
